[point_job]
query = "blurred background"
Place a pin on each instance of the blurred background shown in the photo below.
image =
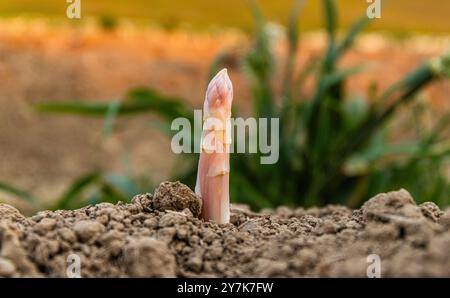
(85, 104)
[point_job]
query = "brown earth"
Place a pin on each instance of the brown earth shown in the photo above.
(158, 236)
(38, 62)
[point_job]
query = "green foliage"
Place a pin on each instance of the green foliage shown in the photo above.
(27, 197)
(334, 148)
(136, 101)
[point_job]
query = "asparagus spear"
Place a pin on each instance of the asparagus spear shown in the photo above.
(214, 163)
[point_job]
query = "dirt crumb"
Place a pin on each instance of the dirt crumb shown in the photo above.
(391, 206)
(8, 212)
(431, 211)
(13, 255)
(86, 230)
(7, 267)
(147, 257)
(177, 197)
(173, 196)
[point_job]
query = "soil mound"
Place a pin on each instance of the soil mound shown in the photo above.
(159, 235)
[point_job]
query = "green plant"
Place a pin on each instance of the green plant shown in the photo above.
(333, 148)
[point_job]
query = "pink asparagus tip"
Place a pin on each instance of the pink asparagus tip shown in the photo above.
(214, 163)
(220, 88)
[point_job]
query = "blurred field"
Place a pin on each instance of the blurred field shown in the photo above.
(44, 153)
(398, 16)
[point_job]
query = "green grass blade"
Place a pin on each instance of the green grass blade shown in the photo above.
(75, 190)
(138, 100)
(259, 65)
(441, 66)
(293, 35)
(80, 108)
(350, 37)
(398, 94)
(311, 66)
(257, 15)
(292, 28)
(19, 193)
(124, 184)
(331, 18)
(322, 90)
(110, 117)
(165, 106)
(341, 75)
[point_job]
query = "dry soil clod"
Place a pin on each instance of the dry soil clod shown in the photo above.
(173, 196)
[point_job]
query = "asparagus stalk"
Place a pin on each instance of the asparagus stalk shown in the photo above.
(214, 163)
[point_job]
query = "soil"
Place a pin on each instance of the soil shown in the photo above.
(159, 235)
